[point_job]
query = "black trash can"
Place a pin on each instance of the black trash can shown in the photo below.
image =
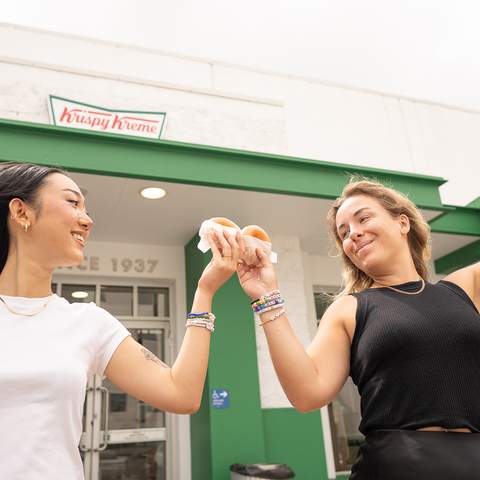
(260, 471)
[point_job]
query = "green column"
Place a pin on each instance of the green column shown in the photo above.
(220, 437)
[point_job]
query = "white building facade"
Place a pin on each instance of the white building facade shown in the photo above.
(142, 260)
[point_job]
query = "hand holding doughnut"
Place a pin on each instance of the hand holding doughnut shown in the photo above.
(255, 237)
(258, 278)
(226, 252)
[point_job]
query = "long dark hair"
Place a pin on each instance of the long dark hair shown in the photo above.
(23, 181)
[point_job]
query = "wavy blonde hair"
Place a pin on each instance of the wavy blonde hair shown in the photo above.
(396, 203)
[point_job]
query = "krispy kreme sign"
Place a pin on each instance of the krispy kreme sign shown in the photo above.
(72, 114)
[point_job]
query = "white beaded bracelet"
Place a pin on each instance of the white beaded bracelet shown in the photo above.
(281, 312)
(201, 323)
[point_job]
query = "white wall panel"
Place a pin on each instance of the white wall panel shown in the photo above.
(72, 53)
(191, 117)
(344, 126)
(452, 145)
(291, 280)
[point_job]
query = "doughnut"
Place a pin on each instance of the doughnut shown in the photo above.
(225, 222)
(257, 232)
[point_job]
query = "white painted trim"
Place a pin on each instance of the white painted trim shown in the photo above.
(325, 414)
(328, 443)
(309, 296)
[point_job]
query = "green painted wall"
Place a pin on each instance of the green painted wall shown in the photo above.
(244, 433)
(296, 439)
(221, 437)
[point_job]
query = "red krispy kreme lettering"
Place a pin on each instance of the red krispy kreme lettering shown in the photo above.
(97, 120)
(64, 114)
(93, 119)
(134, 124)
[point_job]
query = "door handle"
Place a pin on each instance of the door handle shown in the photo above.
(83, 439)
(83, 442)
(106, 412)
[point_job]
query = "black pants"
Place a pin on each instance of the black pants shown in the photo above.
(414, 455)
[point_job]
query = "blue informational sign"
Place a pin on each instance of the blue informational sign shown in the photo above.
(220, 398)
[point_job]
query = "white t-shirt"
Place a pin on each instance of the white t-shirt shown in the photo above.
(45, 361)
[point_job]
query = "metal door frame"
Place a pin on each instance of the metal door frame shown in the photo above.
(93, 438)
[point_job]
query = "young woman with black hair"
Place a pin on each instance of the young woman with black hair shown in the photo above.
(48, 347)
(411, 347)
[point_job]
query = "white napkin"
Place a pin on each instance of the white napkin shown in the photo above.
(251, 243)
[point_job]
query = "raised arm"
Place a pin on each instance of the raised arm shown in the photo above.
(178, 389)
(310, 377)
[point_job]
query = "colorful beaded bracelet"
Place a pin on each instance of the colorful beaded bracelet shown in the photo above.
(274, 293)
(203, 315)
(266, 301)
(266, 308)
(273, 307)
(258, 308)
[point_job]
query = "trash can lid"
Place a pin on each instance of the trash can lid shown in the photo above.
(262, 470)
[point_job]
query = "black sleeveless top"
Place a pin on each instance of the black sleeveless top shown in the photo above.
(416, 358)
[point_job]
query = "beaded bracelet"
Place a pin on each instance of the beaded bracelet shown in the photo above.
(279, 304)
(201, 323)
(268, 302)
(203, 319)
(266, 298)
(274, 317)
(270, 295)
(203, 315)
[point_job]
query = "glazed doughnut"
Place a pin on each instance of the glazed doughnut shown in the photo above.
(257, 232)
(225, 222)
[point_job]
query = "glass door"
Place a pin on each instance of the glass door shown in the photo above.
(124, 438)
(133, 435)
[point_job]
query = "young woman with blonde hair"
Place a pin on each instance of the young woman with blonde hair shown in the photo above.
(411, 347)
(49, 346)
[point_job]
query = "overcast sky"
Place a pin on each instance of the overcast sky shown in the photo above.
(422, 48)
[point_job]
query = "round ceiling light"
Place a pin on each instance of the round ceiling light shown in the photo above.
(153, 193)
(79, 294)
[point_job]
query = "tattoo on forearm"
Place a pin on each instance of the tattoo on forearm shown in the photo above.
(150, 356)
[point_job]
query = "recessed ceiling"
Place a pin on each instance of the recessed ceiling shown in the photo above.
(122, 215)
(443, 243)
